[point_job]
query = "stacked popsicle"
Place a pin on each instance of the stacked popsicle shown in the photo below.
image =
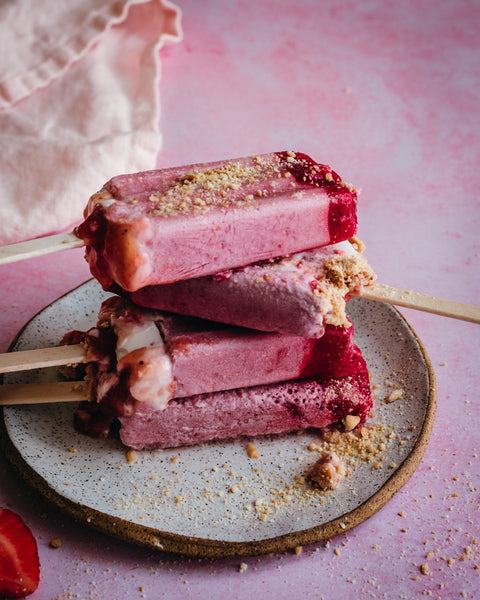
(244, 268)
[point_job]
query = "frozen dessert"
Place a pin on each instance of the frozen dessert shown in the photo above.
(172, 380)
(297, 294)
(165, 225)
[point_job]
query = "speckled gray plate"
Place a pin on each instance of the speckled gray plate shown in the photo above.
(213, 500)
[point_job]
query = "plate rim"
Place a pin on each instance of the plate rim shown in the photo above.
(198, 547)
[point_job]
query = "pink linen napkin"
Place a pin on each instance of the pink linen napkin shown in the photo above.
(79, 103)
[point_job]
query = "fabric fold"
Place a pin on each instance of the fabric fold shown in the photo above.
(85, 109)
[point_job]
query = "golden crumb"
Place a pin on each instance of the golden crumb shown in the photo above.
(364, 444)
(351, 421)
(343, 274)
(328, 471)
(252, 451)
(395, 395)
(175, 459)
(179, 499)
(55, 543)
(205, 189)
(357, 244)
(424, 569)
(72, 449)
(298, 549)
(332, 437)
(242, 567)
(131, 456)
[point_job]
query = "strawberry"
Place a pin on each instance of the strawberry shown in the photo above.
(19, 564)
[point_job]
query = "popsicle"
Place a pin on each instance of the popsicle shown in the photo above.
(139, 361)
(296, 295)
(162, 226)
(319, 402)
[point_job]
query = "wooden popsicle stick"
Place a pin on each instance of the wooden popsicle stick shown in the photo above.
(39, 247)
(423, 302)
(40, 358)
(41, 393)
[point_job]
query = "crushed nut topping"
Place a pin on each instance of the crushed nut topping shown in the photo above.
(395, 395)
(328, 471)
(351, 421)
(205, 189)
(131, 456)
(252, 451)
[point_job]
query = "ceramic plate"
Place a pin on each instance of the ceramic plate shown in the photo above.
(213, 500)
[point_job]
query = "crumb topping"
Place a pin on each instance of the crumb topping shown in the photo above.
(332, 275)
(424, 569)
(252, 451)
(344, 275)
(131, 456)
(327, 471)
(395, 395)
(351, 421)
(205, 189)
(366, 444)
(240, 183)
(357, 244)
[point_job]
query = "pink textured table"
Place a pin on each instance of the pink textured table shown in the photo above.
(387, 93)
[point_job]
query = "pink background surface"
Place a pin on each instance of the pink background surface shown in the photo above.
(387, 93)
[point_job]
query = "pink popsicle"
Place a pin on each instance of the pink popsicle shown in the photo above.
(162, 226)
(318, 402)
(139, 360)
(295, 295)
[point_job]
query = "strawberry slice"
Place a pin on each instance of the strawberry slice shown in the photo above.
(19, 564)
